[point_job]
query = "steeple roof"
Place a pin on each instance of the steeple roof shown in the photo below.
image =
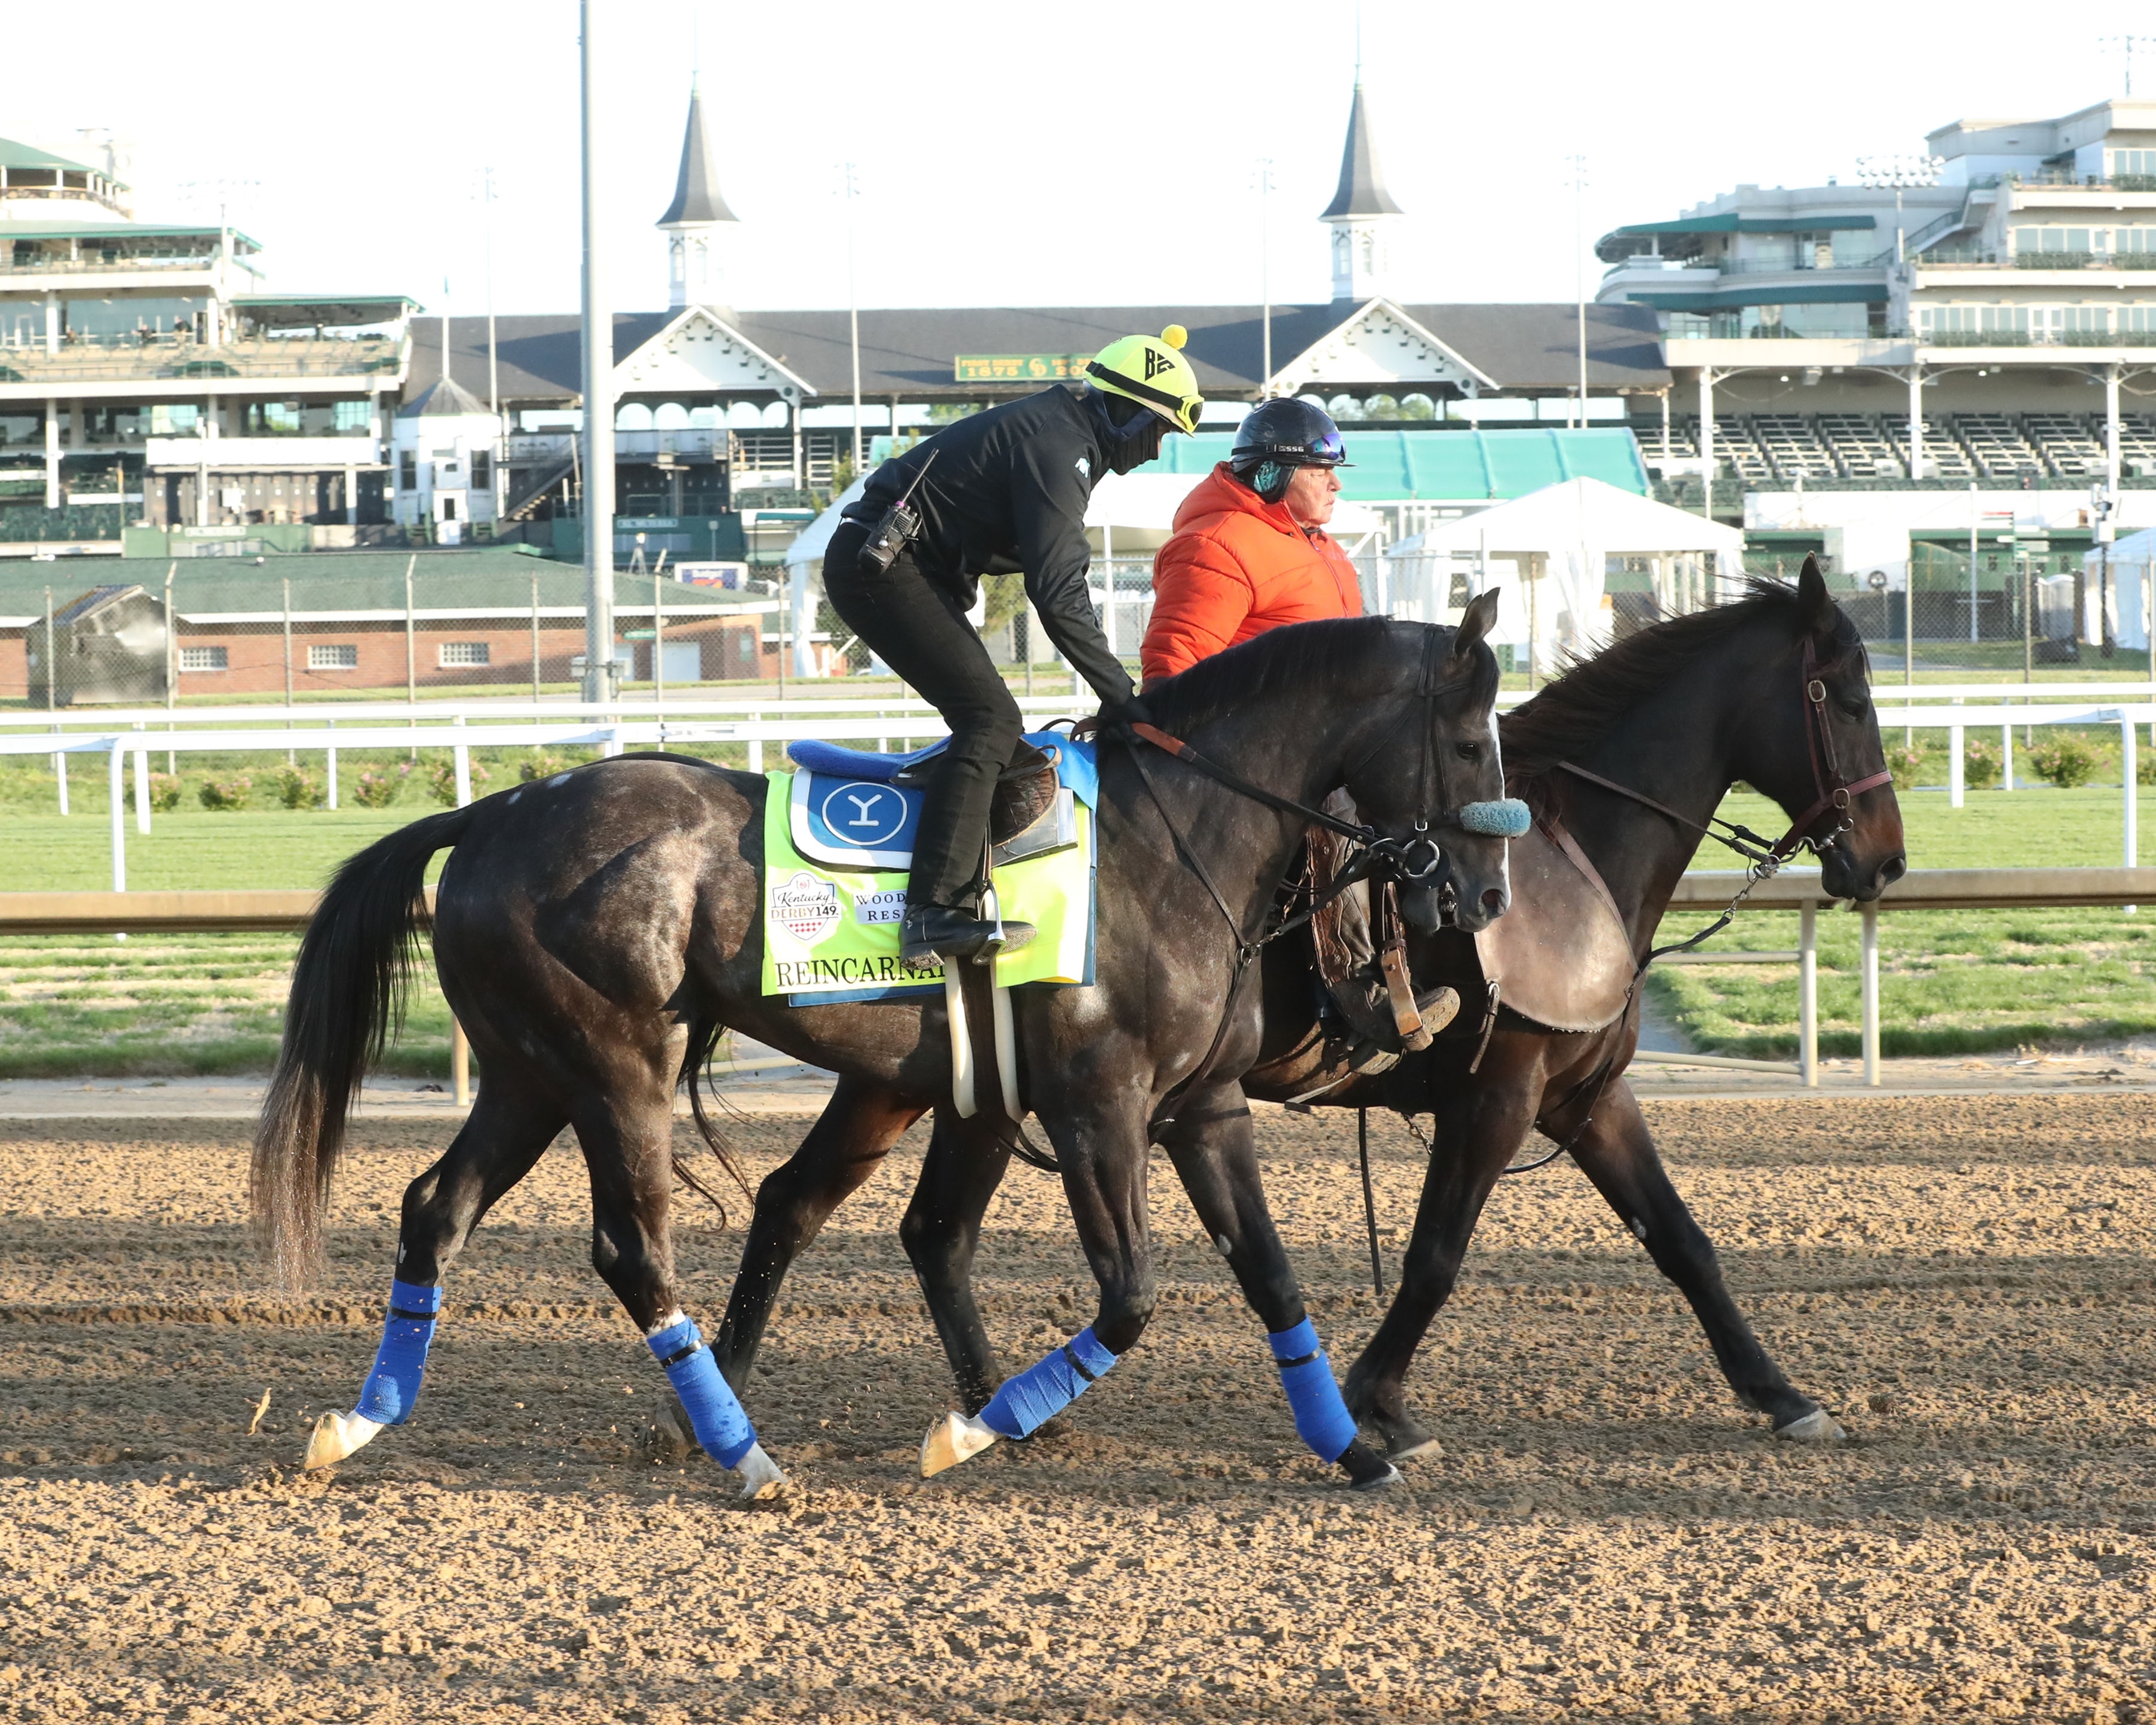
(1361, 191)
(696, 189)
(445, 398)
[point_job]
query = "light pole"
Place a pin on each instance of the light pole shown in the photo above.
(1265, 271)
(1579, 269)
(853, 322)
(598, 402)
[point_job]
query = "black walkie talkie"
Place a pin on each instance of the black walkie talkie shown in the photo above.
(899, 524)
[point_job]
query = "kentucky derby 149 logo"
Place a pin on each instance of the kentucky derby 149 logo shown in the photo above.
(805, 907)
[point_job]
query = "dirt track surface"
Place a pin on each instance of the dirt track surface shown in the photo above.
(1606, 1536)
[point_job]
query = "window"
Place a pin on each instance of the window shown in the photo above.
(350, 418)
(2133, 162)
(343, 656)
(408, 470)
(482, 467)
(2055, 241)
(202, 658)
(456, 653)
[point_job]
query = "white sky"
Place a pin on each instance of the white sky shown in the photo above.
(1012, 154)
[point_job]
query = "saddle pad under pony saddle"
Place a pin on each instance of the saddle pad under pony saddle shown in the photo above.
(837, 843)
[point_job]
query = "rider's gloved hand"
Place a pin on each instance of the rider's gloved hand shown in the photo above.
(1130, 711)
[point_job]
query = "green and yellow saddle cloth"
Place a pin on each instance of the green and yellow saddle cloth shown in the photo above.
(838, 841)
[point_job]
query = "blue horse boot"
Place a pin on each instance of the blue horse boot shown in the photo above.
(392, 1386)
(1020, 1407)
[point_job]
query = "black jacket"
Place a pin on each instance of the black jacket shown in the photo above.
(1008, 492)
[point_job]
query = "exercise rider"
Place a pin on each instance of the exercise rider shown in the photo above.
(998, 492)
(1250, 551)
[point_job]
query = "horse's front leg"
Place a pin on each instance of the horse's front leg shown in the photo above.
(1617, 1153)
(1478, 1126)
(1210, 1145)
(1103, 1178)
(942, 1231)
(847, 1144)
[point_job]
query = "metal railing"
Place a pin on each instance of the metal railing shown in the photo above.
(1798, 889)
(203, 262)
(163, 357)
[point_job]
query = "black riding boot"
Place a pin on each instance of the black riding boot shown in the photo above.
(932, 931)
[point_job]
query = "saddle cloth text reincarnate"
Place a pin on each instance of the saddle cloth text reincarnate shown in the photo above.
(838, 842)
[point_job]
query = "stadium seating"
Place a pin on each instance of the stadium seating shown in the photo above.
(1996, 444)
(2064, 441)
(1943, 456)
(1792, 446)
(1858, 448)
(1736, 448)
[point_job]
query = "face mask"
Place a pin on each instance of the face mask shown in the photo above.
(1137, 440)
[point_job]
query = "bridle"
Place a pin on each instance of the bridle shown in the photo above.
(1413, 859)
(1835, 790)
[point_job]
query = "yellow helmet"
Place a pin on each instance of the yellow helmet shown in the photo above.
(1151, 369)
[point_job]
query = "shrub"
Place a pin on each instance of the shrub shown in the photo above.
(226, 794)
(1979, 765)
(441, 780)
(541, 767)
(165, 788)
(299, 788)
(2144, 766)
(1906, 763)
(377, 787)
(2065, 760)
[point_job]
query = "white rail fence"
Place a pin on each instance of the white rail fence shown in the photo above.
(1920, 890)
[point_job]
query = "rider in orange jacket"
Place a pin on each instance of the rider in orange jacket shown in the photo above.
(1251, 552)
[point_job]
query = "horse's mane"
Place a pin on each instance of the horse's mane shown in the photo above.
(1284, 659)
(1577, 710)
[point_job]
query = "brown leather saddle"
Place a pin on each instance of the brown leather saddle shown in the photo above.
(1026, 790)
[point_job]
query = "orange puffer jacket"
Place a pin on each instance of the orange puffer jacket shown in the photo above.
(1237, 567)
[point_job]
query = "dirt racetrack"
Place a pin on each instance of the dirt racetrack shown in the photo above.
(1606, 1536)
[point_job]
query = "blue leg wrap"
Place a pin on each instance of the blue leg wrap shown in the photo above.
(393, 1385)
(1031, 1399)
(722, 1426)
(1321, 1419)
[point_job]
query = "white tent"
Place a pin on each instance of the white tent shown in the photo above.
(2131, 566)
(1562, 555)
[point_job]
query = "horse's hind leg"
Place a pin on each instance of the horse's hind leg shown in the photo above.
(847, 1144)
(1210, 1145)
(1617, 1153)
(508, 1130)
(628, 1146)
(942, 1231)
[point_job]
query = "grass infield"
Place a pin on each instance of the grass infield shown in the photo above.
(1950, 981)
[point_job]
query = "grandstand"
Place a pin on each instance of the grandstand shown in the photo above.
(1998, 449)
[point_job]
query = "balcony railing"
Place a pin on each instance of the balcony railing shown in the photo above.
(99, 265)
(163, 359)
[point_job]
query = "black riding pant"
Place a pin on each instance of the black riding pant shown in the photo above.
(919, 629)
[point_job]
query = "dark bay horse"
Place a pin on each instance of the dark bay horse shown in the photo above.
(1679, 711)
(596, 932)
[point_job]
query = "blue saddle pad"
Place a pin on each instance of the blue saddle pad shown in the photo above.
(1074, 764)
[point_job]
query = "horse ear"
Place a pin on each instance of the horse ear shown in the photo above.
(1816, 614)
(1475, 623)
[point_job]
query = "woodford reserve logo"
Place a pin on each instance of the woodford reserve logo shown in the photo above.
(805, 907)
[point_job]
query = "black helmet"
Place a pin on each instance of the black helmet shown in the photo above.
(1281, 436)
(1293, 433)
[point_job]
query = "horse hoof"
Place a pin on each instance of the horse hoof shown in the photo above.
(762, 1478)
(953, 1438)
(1410, 1446)
(335, 1436)
(1817, 1427)
(1380, 1481)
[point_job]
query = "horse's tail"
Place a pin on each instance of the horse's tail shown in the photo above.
(705, 1029)
(348, 992)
